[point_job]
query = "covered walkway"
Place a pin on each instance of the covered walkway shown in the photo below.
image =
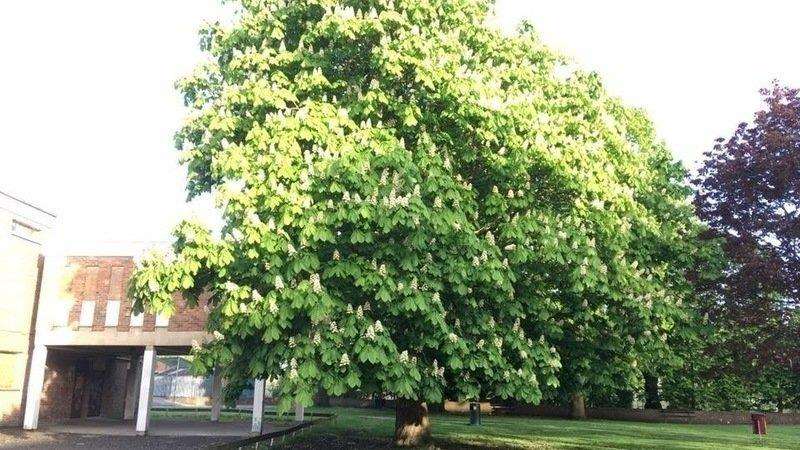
(109, 390)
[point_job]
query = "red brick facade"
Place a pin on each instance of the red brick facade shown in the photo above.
(59, 385)
(104, 278)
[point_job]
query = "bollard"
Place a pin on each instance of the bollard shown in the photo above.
(474, 413)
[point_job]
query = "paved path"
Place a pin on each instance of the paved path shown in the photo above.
(158, 427)
(98, 433)
(18, 439)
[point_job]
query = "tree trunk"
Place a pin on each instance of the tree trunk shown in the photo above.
(411, 424)
(652, 400)
(578, 407)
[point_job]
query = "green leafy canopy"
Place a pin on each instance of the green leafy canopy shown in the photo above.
(417, 204)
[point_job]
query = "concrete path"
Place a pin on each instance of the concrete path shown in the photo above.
(158, 427)
(15, 438)
(121, 434)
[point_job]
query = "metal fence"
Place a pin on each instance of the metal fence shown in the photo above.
(175, 385)
(181, 386)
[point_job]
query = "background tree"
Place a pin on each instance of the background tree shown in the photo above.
(748, 191)
(415, 204)
(629, 301)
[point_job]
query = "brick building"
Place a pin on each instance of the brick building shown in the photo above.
(92, 357)
(70, 346)
(93, 347)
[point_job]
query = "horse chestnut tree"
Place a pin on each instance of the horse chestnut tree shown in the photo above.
(414, 204)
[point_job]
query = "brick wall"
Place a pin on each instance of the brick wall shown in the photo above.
(104, 278)
(108, 376)
(655, 415)
(59, 382)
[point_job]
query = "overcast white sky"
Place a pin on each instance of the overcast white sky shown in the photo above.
(88, 109)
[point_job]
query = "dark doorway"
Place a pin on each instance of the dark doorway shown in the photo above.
(88, 390)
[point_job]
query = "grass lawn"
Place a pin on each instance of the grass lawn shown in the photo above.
(359, 428)
(371, 429)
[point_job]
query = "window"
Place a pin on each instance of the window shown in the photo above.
(112, 313)
(11, 367)
(60, 313)
(87, 313)
(137, 320)
(162, 320)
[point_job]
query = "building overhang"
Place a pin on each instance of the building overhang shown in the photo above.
(131, 338)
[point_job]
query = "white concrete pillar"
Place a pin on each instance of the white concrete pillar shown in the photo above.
(216, 394)
(145, 390)
(299, 412)
(132, 387)
(35, 385)
(258, 405)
